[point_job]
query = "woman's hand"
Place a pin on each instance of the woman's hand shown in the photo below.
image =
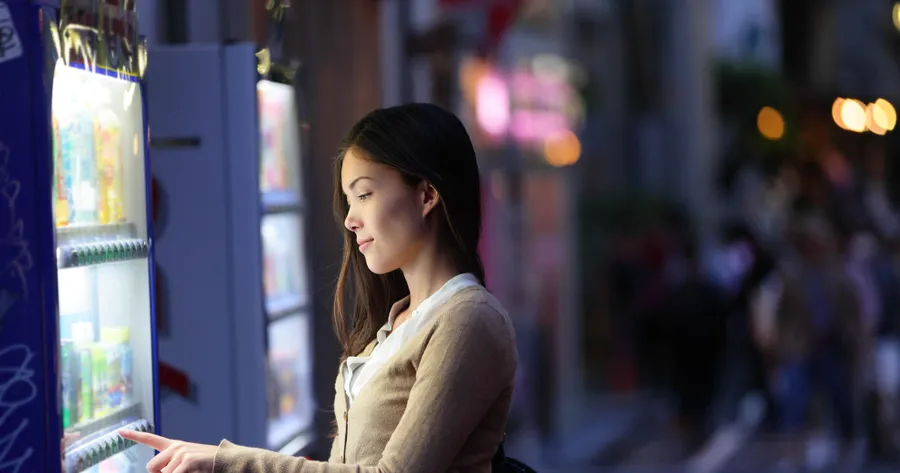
(175, 456)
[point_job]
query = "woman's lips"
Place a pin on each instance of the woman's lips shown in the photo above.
(364, 244)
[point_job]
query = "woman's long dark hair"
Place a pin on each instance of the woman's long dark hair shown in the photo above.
(424, 143)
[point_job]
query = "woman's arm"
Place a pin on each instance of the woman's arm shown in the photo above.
(468, 362)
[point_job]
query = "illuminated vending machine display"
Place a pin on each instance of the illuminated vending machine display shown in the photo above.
(231, 251)
(76, 291)
(289, 376)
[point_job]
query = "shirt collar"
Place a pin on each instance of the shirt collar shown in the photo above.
(439, 297)
(398, 307)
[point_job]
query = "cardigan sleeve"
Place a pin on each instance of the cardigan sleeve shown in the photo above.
(469, 360)
(338, 407)
(335, 449)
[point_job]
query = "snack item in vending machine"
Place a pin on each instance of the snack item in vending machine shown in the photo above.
(127, 380)
(273, 173)
(115, 387)
(68, 377)
(83, 335)
(279, 171)
(280, 270)
(270, 263)
(107, 134)
(62, 181)
(98, 380)
(287, 400)
(114, 343)
(270, 258)
(85, 385)
(77, 138)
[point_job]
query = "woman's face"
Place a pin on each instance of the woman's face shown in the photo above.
(386, 214)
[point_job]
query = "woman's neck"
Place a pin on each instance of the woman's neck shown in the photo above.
(426, 275)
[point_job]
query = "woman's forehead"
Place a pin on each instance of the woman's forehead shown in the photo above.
(356, 169)
(353, 165)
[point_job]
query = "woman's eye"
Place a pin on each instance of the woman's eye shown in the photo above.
(364, 196)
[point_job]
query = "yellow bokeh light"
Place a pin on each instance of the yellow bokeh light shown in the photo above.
(889, 112)
(471, 72)
(836, 112)
(853, 114)
(562, 149)
(895, 15)
(770, 123)
(876, 119)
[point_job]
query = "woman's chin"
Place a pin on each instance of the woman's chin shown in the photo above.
(378, 267)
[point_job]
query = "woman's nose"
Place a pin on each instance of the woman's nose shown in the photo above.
(351, 223)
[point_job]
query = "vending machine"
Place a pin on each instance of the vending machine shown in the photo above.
(231, 255)
(77, 330)
(285, 284)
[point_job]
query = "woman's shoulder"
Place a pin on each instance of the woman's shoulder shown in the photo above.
(474, 309)
(474, 300)
(473, 328)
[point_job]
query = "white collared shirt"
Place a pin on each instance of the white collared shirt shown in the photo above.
(358, 370)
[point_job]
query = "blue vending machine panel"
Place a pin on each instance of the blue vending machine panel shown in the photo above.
(77, 340)
(29, 417)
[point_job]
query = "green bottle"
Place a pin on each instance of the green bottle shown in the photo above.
(87, 387)
(98, 359)
(83, 335)
(67, 349)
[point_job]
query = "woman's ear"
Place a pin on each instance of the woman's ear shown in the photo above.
(430, 197)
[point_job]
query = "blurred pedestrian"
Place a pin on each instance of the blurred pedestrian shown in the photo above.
(696, 317)
(819, 341)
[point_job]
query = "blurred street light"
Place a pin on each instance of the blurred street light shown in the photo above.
(770, 123)
(853, 115)
(836, 108)
(878, 117)
(492, 105)
(889, 112)
(562, 149)
(530, 103)
(895, 15)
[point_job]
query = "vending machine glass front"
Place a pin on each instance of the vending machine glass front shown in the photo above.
(100, 209)
(285, 280)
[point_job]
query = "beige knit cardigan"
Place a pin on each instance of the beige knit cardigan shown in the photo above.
(439, 405)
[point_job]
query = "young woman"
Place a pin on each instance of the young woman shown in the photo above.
(426, 379)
